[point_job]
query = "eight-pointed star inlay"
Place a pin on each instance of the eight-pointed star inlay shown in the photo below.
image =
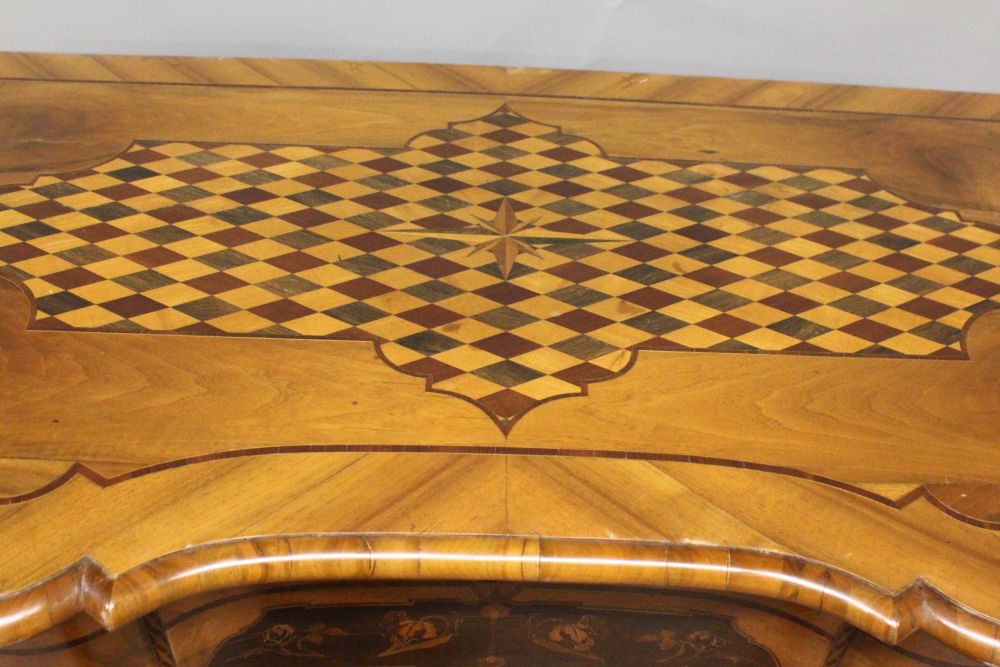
(506, 237)
(504, 260)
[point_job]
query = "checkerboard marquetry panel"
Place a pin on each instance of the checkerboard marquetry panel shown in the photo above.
(505, 260)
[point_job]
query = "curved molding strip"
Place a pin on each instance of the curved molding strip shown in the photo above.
(959, 501)
(114, 600)
(505, 261)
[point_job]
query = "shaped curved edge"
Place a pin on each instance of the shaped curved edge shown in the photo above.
(115, 600)
(974, 214)
(104, 153)
(930, 492)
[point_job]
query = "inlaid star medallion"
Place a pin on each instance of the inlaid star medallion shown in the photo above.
(506, 237)
(508, 246)
(506, 261)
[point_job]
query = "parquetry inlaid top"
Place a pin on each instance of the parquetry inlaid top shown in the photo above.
(507, 261)
(280, 323)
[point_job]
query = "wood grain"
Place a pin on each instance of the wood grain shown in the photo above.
(187, 632)
(890, 618)
(802, 413)
(141, 470)
(59, 126)
(128, 531)
(311, 242)
(701, 91)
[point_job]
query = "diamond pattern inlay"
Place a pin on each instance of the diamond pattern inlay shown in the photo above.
(505, 260)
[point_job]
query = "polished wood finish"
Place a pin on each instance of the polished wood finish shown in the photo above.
(81, 643)
(701, 91)
(117, 601)
(596, 257)
(278, 624)
(146, 469)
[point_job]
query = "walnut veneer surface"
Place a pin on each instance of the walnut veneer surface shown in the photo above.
(290, 321)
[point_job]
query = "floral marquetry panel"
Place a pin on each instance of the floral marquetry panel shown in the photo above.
(722, 357)
(503, 259)
(491, 634)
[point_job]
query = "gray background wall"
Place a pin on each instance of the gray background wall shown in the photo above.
(949, 44)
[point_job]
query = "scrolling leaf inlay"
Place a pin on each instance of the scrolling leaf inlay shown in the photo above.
(490, 635)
